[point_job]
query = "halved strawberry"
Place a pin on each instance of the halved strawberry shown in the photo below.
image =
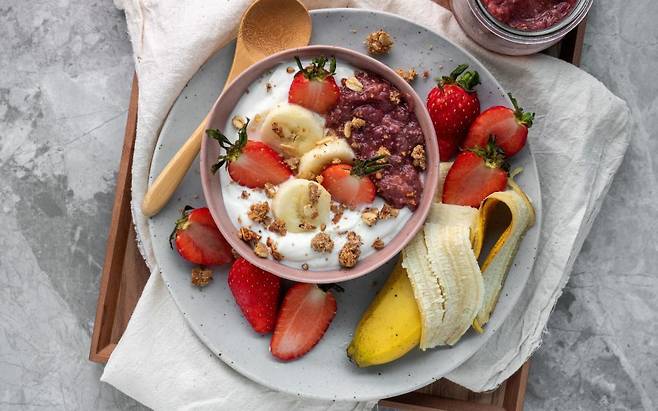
(314, 87)
(198, 240)
(453, 105)
(250, 163)
(305, 315)
(350, 185)
(475, 174)
(509, 128)
(257, 294)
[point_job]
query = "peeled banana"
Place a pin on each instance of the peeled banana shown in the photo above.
(391, 325)
(452, 275)
(292, 130)
(301, 204)
(443, 280)
(316, 159)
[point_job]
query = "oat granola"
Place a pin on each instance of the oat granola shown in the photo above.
(248, 235)
(338, 210)
(370, 216)
(322, 243)
(387, 212)
(378, 244)
(418, 155)
(258, 212)
(394, 97)
(350, 252)
(201, 277)
(276, 255)
(261, 250)
(354, 84)
(278, 226)
(408, 75)
(379, 42)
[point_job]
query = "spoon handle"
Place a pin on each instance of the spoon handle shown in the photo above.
(170, 177)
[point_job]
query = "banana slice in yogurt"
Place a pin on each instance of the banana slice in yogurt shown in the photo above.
(292, 130)
(315, 160)
(302, 204)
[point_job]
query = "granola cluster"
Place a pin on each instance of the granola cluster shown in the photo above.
(201, 277)
(379, 42)
(258, 213)
(418, 156)
(322, 243)
(408, 75)
(350, 252)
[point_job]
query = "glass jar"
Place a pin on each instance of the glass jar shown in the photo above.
(476, 21)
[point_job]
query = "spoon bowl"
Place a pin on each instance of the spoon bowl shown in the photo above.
(266, 27)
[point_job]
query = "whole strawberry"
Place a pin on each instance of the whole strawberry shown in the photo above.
(198, 240)
(250, 163)
(453, 105)
(314, 87)
(257, 294)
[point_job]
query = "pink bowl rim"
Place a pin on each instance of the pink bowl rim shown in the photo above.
(212, 186)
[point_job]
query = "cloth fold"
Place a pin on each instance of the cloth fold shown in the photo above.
(579, 138)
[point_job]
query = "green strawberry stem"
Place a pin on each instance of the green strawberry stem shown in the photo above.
(465, 79)
(522, 117)
(469, 80)
(494, 156)
(316, 70)
(180, 224)
(232, 149)
(364, 167)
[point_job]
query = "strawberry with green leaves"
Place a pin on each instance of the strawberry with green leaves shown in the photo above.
(508, 127)
(453, 105)
(198, 239)
(314, 87)
(250, 163)
(476, 173)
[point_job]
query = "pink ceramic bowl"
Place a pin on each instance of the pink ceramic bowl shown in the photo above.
(211, 183)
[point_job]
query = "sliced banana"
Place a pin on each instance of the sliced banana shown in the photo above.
(292, 130)
(444, 274)
(316, 159)
(302, 204)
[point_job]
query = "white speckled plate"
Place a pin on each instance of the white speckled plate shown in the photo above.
(325, 372)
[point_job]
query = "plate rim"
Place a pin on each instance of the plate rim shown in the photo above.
(537, 204)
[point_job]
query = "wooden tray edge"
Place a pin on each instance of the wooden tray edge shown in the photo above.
(117, 241)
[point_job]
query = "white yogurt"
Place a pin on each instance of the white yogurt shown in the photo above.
(296, 247)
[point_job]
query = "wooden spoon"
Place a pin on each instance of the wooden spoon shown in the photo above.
(266, 27)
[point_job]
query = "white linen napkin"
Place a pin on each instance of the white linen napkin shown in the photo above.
(579, 139)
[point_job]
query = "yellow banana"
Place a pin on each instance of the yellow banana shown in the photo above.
(391, 325)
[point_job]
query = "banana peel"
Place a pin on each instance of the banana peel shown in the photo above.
(391, 325)
(424, 290)
(515, 205)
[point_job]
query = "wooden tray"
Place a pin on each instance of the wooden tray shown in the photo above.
(125, 274)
